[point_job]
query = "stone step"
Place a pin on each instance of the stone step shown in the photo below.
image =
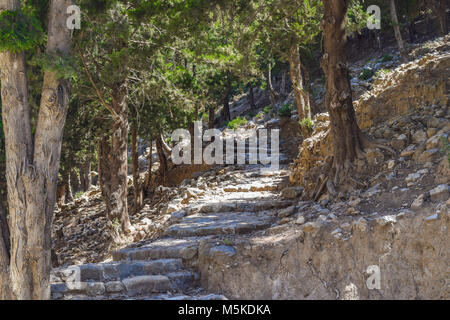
(243, 206)
(128, 287)
(187, 297)
(116, 270)
(224, 223)
(251, 188)
(161, 249)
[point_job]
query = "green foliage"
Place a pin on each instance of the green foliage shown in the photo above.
(366, 74)
(268, 109)
(64, 66)
(382, 72)
(78, 194)
(386, 58)
(19, 31)
(306, 123)
(285, 111)
(236, 123)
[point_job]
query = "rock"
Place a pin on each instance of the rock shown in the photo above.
(419, 137)
(222, 253)
(171, 208)
(361, 224)
(418, 202)
(412, 178)
(409, 151)
(300, 220)
(95, 289)
(386, 220)
(310, 226)
(286, 212)
(177, 215)
(428, 155)
(431, 132)
(114, 287)
(391, 164)
(436, 141)
(147, 284)
(346, 226)
(440, 193)
(292, 192)
(432, 217)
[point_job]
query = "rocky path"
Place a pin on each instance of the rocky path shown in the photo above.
(242, 200)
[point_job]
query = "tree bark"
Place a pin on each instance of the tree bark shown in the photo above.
(4, 257)
(138, 197)
(273, 95)
(211, 115)
(163, 167)
(295, 72)
(226, 108)
(440, 9)
(85, 174)
(68, 194)
(251, 96)
(113, 167)
(398, 35)
(32, 166)
(150, 165)
(75, 182)
(283, 83)
(347, 137)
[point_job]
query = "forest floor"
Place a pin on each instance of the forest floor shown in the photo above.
(182, 231)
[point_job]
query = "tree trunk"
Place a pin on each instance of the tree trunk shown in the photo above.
(295, 72)
(135, 168)
(311, 103)
(4, 256)
(75, 182)
(273, 95)
(32, 166)
(398, 35)
(163, 168)
(211, 114)
(85, 174)
(347, 138)
(251, 96)
(150, 165)
(226, 108)
(440, 9)
(113, 167)
(68, 195)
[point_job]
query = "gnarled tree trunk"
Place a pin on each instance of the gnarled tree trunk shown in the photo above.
(32, 165)
(347, 137)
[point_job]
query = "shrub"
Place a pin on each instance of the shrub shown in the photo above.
(285, 111)
(267, 109)
(382, 71)
(19, 31)
(306, 123)
(386, 58)
(236, 123)
(366, 74)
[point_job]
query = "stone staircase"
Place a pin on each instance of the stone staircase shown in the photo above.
(245, 199)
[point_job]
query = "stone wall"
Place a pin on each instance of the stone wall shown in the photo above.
(322, 261)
